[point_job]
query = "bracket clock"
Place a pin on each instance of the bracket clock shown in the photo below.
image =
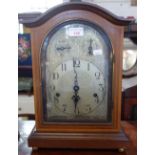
(77, 70)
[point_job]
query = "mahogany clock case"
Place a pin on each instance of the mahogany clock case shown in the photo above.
(113, 27)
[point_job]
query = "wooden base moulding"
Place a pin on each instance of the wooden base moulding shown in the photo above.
(79, 140)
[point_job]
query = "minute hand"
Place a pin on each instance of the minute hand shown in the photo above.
(75, 78)
(76, 88)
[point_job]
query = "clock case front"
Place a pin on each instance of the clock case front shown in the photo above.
(113, 27)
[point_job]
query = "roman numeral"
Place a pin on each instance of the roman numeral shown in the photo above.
(97, 75)
(63, 67)
(76, 63)
(55, 76)
(101, 87)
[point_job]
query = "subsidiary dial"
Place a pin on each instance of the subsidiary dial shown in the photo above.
(62, 46)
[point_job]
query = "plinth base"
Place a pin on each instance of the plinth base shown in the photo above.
(79, 140)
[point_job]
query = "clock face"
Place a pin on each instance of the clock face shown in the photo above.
(76, 70)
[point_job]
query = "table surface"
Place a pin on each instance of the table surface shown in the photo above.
(26, 126)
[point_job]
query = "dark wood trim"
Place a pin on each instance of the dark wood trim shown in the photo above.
(22, 17)
(77, 6)
(129, 76)
(129, 101)
(79, 140)
(130, 129)
(130, 31)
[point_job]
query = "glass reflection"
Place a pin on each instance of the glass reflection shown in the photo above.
(129, 59)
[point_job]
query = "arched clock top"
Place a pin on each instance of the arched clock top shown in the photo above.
(77, 6)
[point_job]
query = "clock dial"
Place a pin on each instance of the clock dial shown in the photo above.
(84, 91)
(76, 65)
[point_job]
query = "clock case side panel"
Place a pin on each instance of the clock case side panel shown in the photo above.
(35, 41)
(115, 34)
(117, 78)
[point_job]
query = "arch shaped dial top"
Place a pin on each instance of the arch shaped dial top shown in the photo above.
(77, 78)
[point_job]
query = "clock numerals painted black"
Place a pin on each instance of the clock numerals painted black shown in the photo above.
(57, 95)
(76, 63)
(64, 67)
(97, 75)
(76, 94)
(53, 87)
(88, 108)
(55, 76)
(64, 107)
(56, 100)
(101, 87)
(96, 97)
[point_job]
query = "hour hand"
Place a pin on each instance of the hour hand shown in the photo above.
(75, 99)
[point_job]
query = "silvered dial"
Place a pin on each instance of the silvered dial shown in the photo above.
(76, 74)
